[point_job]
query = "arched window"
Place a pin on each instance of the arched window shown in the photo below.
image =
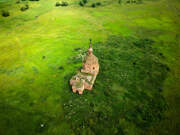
(93, 68)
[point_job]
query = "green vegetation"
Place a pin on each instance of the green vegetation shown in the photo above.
(83, 3)
(96, 4)
(31, 0)
(24, 8)
(58, 4)
(63, 3)
(129, 86)
(93, 5)
(5, 13)
(136, 91)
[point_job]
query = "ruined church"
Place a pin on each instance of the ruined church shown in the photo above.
(86, 77)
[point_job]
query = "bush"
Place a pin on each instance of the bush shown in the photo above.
(98, 3)
(24, 8)
(58, 4)
(81, 3)
(33, 0)
(5, 13)
(128, 1)
(93, 5)
(84, 1)
(64, 3)
(60, 67)
(27, 6)
(17, 2)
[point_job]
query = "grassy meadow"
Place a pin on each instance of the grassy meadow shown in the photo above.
(137, 88)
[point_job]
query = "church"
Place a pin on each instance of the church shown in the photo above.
(86, 77)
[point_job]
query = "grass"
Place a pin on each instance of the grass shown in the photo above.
(140, 102)
(36, 42)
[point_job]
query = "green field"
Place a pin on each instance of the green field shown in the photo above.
(137, 90)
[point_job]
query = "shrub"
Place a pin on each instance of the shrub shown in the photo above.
(84, 1)
(60, 67)
(43, 57)
(24, 8)
(27, 6)
(33, 0)
(58, 4)
(98, 3)
(93, 5)
(128, 1)
(17, 2)
(64, 3)
(5, 13)
(81, 3)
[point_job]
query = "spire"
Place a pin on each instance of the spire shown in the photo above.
(90, 45)
(90, 50)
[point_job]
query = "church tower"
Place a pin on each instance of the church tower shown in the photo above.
(90, 63)
(87, 76)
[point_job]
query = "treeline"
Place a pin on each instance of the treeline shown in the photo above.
(82, 3)
(130, 1)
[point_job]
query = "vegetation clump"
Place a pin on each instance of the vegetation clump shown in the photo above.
(58, 4)
(98, 3)
(17, 2)
(24, 8)
(132, 1)
(93, 5)
(83, 2)
(60, 67)
(63, 3)
(5, 13)
(34, 0)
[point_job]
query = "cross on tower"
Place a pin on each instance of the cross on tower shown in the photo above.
(90, 50)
